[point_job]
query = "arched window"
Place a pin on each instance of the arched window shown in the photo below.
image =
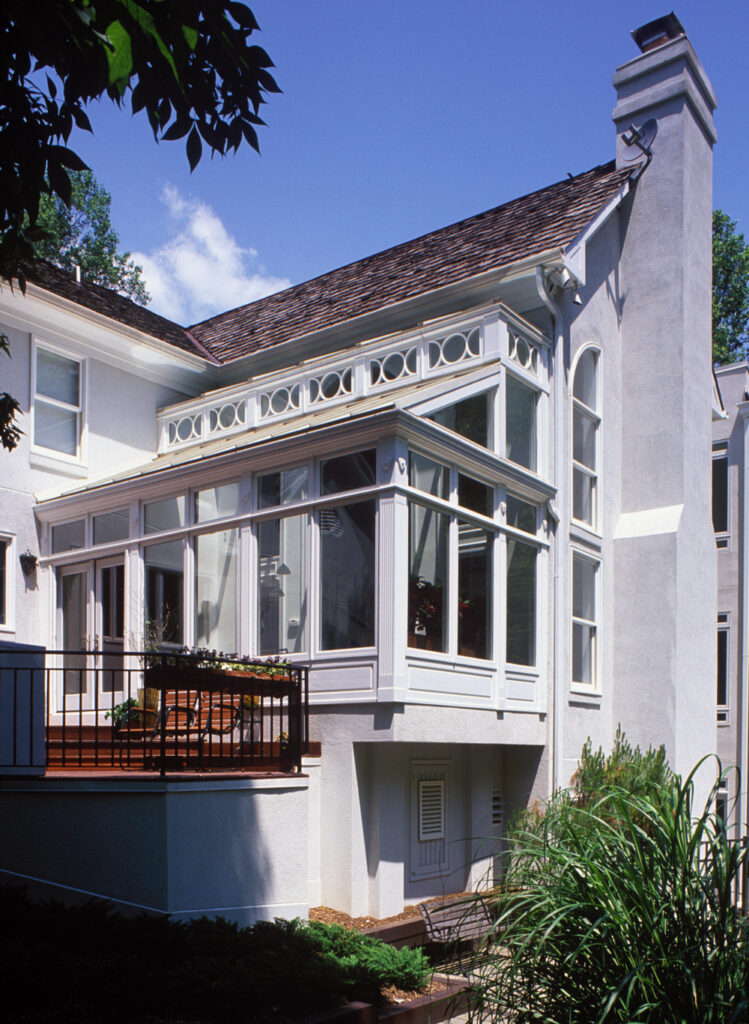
(586, 422)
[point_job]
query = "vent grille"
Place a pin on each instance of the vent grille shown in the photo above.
(498, 808)
(431, 809)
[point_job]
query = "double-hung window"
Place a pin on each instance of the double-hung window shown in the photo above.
(585, 572)
(585, 429)
(58, 402)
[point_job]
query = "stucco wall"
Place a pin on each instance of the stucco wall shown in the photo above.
(236, 849)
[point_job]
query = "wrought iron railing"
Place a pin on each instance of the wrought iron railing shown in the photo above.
(147, 711)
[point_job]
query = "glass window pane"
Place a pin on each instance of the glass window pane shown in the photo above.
(347, 572)
(474, 591)
(57, 377)
(284, 488)
(68, 536)
(55, 428)
(3, 582)
(164, 515)
(217, 502)
(469, 418)
(282, 585)
(112, 526)
(164, 583)
(428, 476)
(112, 600)
(583, 653)
(520, 423)
(475, 495)
(427, 587)
(584, 589)
(583, 494)
(583, 438)
(521, 514)
(720, 495)
(584, 386)
(216, 590)
(521, 603)
(722, 688)
(349, 472)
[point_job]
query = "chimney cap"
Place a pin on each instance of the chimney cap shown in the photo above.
(658, 32)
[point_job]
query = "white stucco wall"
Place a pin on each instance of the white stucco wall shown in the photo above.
(232, 848)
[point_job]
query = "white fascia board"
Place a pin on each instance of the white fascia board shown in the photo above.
(94, 335)
(574, 254)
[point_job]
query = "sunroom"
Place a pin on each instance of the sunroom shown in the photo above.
(394, 541)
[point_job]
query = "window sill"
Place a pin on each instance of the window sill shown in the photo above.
(38, 460)
(578, 692)
(585, 533)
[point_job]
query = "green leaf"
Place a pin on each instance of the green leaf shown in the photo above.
(119, 55)
(191, 36)
(194, 148)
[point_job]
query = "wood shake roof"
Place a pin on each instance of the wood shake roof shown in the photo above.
(547, 219)
(109, 303)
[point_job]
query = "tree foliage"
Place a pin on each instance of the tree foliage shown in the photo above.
(730, 290)
(81, 235)
(187, 64)
(620, 908)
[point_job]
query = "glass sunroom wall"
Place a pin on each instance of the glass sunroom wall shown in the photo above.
(216, 604)
(282, 585)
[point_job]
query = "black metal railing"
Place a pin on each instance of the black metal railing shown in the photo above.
(150, 711)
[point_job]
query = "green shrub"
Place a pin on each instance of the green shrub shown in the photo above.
(87, 964)
(620, 909)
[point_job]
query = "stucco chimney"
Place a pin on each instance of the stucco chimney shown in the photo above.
(665, 574)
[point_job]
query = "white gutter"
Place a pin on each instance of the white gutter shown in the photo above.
(560, 546)
(743, 710)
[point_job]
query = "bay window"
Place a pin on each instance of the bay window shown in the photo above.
(474, 591)
(428, 533)
(520, 422)
(347, 575)
(282, 585)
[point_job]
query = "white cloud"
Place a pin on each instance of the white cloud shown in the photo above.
(202, 270)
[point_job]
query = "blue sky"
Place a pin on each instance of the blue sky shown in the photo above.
(397, 117)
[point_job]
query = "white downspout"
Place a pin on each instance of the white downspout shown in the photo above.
(560, 546)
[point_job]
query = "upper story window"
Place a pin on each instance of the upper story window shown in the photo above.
(586, 423)
(58, 402)
(720, 493)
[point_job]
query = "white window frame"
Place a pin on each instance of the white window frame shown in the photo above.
(594, 416)
(595, 623)
(720, 451)
(80, 457)
(723, 710)
(9, 625)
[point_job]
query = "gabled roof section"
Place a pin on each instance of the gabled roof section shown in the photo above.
(550, 218)
(110, 304)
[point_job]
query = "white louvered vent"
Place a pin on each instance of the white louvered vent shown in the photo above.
(431, 809)
(498, 808)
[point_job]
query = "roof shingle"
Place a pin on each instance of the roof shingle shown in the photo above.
(109, 303)
(549, 218)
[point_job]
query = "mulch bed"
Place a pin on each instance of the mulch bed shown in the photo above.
(329, 916)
